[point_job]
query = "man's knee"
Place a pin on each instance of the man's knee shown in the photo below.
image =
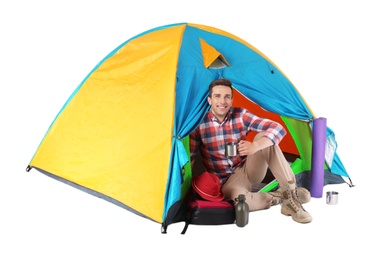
(258, 136)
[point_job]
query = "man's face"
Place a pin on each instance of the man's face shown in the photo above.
(221, 101)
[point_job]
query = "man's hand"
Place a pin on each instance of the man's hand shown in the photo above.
(247, 148)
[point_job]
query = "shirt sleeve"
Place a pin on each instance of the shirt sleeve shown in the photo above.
(273, 130)
(194, 145)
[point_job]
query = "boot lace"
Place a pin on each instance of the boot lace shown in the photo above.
(295, 200)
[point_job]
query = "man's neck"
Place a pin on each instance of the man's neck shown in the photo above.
(219, 118)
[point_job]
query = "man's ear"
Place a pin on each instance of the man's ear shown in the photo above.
(209, 100)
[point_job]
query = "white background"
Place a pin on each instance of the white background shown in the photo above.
(329, 49)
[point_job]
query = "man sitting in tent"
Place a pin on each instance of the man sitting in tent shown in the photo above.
(239, 174)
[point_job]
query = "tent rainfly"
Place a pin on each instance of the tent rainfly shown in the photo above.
(123, 133)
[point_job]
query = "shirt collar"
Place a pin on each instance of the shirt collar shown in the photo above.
(212, 117)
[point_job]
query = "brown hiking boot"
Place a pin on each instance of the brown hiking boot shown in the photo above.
(302, 193)
(291, 205)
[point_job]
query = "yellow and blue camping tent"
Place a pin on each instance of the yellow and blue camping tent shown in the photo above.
(123, 133)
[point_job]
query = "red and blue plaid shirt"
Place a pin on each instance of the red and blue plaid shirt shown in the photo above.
(210, 137)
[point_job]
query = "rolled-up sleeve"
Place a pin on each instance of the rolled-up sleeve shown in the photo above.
(272, 130)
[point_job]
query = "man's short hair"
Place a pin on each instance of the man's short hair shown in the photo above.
(219, 82)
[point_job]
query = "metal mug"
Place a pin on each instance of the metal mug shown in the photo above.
(231, 149)
(332, 197)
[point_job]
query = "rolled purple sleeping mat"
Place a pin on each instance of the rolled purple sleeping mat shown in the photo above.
(318, 157)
